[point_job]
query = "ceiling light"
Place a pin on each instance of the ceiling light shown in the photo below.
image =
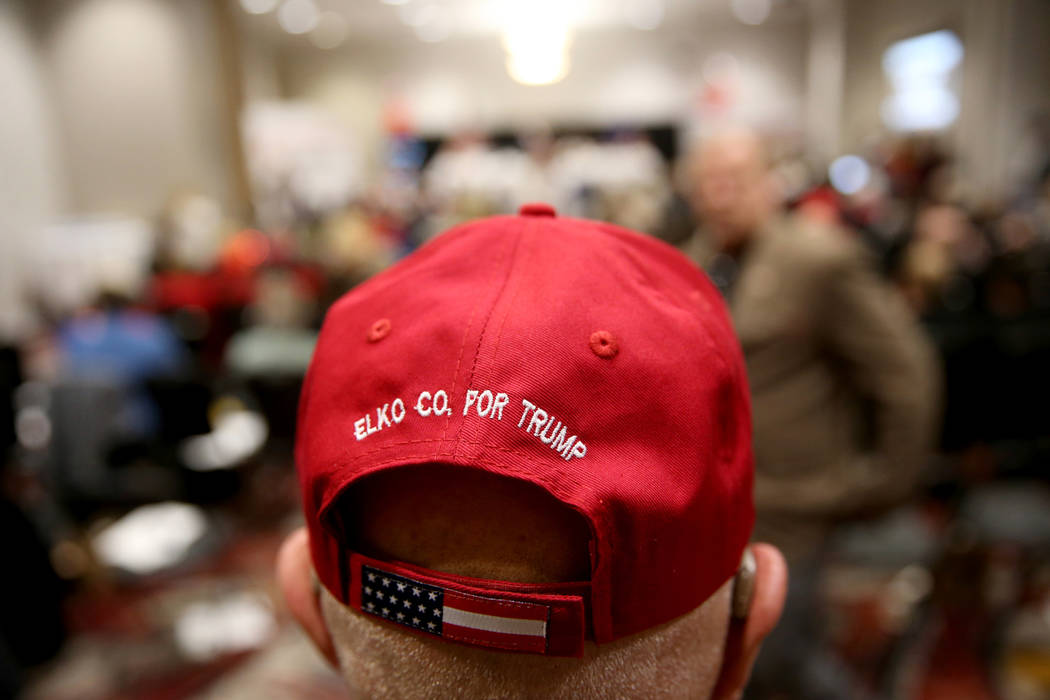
(537, 54)
(298, 16)
(536, 39)
(537, 68)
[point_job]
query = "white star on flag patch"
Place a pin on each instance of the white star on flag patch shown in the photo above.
(450, 614)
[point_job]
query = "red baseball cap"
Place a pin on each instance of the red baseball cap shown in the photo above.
(589, 360)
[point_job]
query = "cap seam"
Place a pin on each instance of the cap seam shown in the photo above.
(484, 329)
(510, 306)
(459, 362)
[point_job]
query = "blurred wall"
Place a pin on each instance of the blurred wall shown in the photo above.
(32, 187)
(138, 89)
(1006, 71)
(825, 64)
(615, 77)
(259, 64)
(110, 107)
(1027, 92)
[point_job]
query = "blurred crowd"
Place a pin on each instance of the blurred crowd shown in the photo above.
(152, 414)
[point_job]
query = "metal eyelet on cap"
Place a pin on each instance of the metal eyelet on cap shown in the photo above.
(379, 330)
(603, 344)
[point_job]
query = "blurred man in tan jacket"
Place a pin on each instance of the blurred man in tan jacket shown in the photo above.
(844, 385)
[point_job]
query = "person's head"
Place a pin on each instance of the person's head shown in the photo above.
(731, 186)
(525, 462)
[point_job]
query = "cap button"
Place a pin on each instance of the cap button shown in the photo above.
(537, 209)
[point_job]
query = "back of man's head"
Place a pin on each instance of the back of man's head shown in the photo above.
(530, 477)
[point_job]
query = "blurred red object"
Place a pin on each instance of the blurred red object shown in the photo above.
(244, 251)
(821, 204)
(178, 290)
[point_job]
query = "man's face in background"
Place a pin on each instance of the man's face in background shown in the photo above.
(731, 189)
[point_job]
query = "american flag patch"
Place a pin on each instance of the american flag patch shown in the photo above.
(490, 622)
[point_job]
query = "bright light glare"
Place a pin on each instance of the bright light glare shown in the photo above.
(298, 16)
(537, 68)
(922, 58)
(753, 12)
(330, 31)
(207, 629)
(537, 52)
(258, 7)
(849, 174)
(919, 69)
(151, 537)
(394, 2)
(536, 38)
(920, 110)
(644, 14)
(238, 435)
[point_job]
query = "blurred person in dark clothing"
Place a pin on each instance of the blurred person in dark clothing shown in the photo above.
(31, 626)
(844, 385)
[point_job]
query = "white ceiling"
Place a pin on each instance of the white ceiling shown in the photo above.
(375, 19)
